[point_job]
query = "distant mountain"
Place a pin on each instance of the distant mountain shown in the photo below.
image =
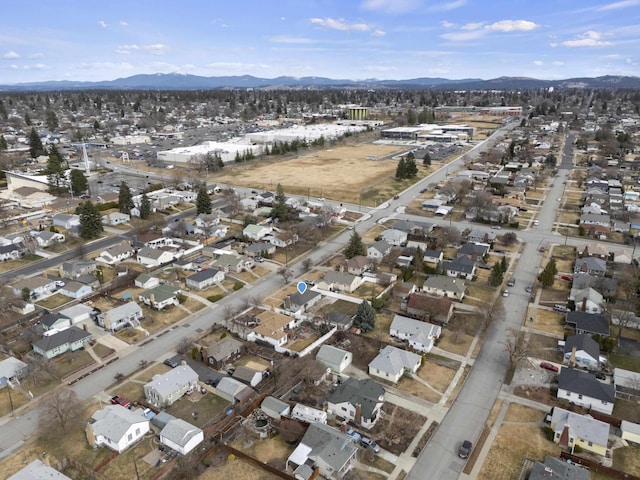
(180, 81)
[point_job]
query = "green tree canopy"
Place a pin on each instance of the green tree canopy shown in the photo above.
(280, 209)
(355, 246)
(125, 199)
(79, 182)
(203, 201)
(35, 144)
(365, 318)
(3, 143)
(56, 171)
(90, 220)
(145, 207)
(547, 276)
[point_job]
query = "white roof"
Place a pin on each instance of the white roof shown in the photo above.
(37, 470)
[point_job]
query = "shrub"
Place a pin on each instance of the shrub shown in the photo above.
(182, 298)
(237, 286)
(215, 298)
(548, 432)
(106, 206)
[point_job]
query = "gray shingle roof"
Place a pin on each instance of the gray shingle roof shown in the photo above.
(113, 421)
(581, 426)
(179, 432)
(329, 444)
(366, 393)
(582, 342)
(595, 323)
(173, 380)
(583, 383)
(557, 469)
(70, 335)
(394, 360)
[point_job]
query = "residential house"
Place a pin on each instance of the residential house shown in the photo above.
(75, 269)
(606, 286)
(181, 436)
(460, 267)
(12, 369)
(591, 266)
(116, 253)
(154, 240)
(340, 282)
(295, 302)
(205, 279)
(37, 470)
(421, 335)
(404, 289)
(126, 315)
(432, 256)
(275, 408)
(10, 252)
(116, 218)
(392, 363)
(224, 351)
(260, 249)
(154, 257)
(357, 265)
(357, 401)
(116, 427)
(160, 297)
(572, 430)
(378, 250)
(627, 384)
(272, 328)
(475, 251)
(248, 376)
(427, 307)
(589, 323)
(233, 391)
(623, 257)
(558, 469)
(53, 321)
(46, 238)
(445, 287)
(256, 232)
(582, 351)
(70, 339)
(585, 390)
(587, 300)
(480, 236)
(393, 237)
(597, 250)
(339, 320)
(163, 390)
(326, 449)
(205, 221)
(281, 239)
(65, 220)
(334, 358)
(37, 286)
(146, 281)
(76, 290)
(602, 220)
(229, 263)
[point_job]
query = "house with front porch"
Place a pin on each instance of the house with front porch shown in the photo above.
(420, 335)
(460, 267)
(70, 339)
(584, 389)
(392, 363)
(116, 253)
(46, 238)
(357, 401)
(572, 430)
(340, 282)
(445, 287)
(229, 263)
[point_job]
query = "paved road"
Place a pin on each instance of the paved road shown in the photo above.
(467, 417)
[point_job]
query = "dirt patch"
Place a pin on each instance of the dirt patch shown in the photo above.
(267, 450)
(513, 443)
(537, 394)
(397, 428)
(367, 348)
(627, 459)
(627, 410)
(522, 414)
(236, 469)
(543, 347)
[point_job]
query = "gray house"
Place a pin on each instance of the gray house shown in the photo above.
(126, 315)
(71, 339)
(225, 350)
(205, 279)
(334, 358)
(165, 389)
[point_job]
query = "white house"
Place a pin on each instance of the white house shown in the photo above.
(630, 432)
(154, 257)
(357, 401)
(391, 363)
(181, 436)
(164, 390)
(71, 339)
(38, 470)
(334, 358)
(77, 290)
(584, 389)
(421, 335)
(394, 237)
(116, 253)
(205, 278)
(160, 297)
(116, 218)
(65, 220)
(125, 315)
(46, 238)
(116, 427)
(584, 350)
(256, 232)
(146, 281)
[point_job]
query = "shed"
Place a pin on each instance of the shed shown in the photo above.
(275, 408)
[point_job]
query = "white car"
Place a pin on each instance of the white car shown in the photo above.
(59, 283)
(505, 293)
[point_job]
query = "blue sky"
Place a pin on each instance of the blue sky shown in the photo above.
(353, 39)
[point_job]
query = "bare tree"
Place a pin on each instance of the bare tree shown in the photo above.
(390, 259)
(492, 311)
(285, 273)
(255, 301)
(41, 370)
(307, 263)
(61, 408)
(325, 215)
(184, 345)
(232, 201)
(228, 314)
(516, 347)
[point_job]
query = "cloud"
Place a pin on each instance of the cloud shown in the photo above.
(291, 40)
(235, 66)
(538, 63)
(618, 5)
(557, 63)
(155, 49)
(11, 55)
(106, 66)
(379, 68)
(341, 25)
(122, 23)
(378, 33)
(283, 18)
(390, 6)
(36, 66)
(102, 23)
(36, 55)
(446, 7)
(587, 39)
(471, 31)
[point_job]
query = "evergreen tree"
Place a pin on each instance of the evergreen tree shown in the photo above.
(497, 275)
(280, 209)
(27, 120)
(78, 181)
(35, 144)
(401, 169)
(90, 220)
(355, 246)
(547, 276)
(3, 143)
(125, 199)
(503, 264)
(426, 160)
(52, 120)
(145, 207)
(410, 168)
(56, 171)
(365, 318)
(203, 201)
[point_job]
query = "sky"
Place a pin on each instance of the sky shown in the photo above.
(87, 40)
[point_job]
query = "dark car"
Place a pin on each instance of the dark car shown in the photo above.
(465, 449)
(549, 366)
(171, 363)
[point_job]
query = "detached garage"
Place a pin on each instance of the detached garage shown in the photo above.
(77, 313)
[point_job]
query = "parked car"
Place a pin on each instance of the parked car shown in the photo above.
(465, 449)
(311, 283)
(549, 366)
(355, 435)
(511, 282)
(368, 443)
(259, 259)
(567, 278)
(529, 289)
(118, 400)
(505, 293)
(171, 363)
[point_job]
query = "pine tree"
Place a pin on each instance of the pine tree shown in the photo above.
(355, 246)
(426, 160)
(35, 144)
(145, 207)
(410, 168)
(125, 199)
(280, 209)
(497, 275)
(27, 120)
(56, 171)
(401, 169)
(203, 201)
(3, 143)
(52, 120)
(78, 181)
(503, 264)
(90, 221)
(365, 318)
(547, 276)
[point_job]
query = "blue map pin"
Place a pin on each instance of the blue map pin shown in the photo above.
(302, 287)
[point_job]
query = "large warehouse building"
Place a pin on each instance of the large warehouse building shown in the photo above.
(429, 132)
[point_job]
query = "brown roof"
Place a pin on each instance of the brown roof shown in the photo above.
(434, 306)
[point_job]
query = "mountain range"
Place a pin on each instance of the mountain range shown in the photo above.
(180, 81)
